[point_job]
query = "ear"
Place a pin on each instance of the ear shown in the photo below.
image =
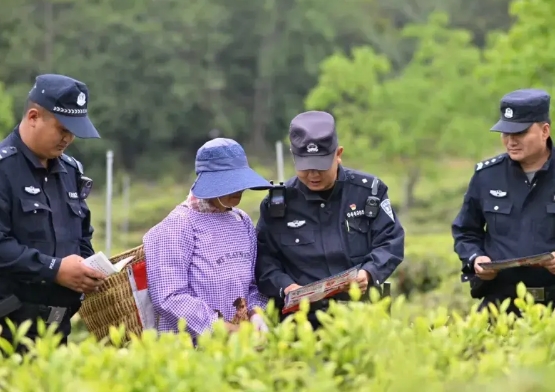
(546, 130)
(339, 153)
(32, 116)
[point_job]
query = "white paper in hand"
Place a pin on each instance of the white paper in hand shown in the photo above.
(102, 264)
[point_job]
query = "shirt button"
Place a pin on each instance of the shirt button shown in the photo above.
(45, 179)
(296, 240)
(495, 208)
(322, 205)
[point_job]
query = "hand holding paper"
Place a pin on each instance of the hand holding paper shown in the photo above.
(550, 264)
(484, 274)
(101, 263)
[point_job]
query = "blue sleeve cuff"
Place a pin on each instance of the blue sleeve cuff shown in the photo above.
(373, 271)
(51, 267)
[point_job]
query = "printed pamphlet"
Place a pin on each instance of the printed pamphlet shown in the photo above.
(319, 290)
(102, 264)
(531, 261)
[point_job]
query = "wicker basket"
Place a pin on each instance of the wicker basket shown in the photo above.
(114, 304)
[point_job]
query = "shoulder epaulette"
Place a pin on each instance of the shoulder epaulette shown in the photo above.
(490, 162)
(73, 162)
(364, 180)
(7, 151)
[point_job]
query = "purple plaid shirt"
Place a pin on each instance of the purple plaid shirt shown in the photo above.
(199, 262)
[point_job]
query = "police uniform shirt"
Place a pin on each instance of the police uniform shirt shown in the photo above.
(507, 213)
(42, 220)
(518, 215)
(320, 237)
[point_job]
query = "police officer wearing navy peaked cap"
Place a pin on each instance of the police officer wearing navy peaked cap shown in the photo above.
(508, 210)
(334, 218)
(45, 224)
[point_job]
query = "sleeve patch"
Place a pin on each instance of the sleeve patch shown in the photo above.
(386, 206)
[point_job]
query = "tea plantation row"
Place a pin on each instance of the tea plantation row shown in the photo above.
(373, 347)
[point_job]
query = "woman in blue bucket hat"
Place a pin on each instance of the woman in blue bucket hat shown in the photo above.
(200, 258)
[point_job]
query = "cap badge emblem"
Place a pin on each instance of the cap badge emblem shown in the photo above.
(508, 113)
(81, 99)
(312, 148)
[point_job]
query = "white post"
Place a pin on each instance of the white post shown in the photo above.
(279, 161)
(109, 182)
(126, 190)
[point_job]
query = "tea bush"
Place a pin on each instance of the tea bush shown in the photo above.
(361, 347)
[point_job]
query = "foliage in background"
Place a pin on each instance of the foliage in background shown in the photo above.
(6, 111)
(164, 77)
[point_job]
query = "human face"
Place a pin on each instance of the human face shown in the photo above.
(228, 201)
(48, 138)
(321, 180)
(526, 146)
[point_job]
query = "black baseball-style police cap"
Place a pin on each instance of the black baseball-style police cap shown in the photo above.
(522, 108)
(313, 140)
(67, 100)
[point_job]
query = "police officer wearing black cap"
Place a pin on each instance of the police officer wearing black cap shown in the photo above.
(327, 219)
(45, 224)
(508, 210)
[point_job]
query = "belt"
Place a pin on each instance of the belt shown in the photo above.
(50, 314)
(540, 294)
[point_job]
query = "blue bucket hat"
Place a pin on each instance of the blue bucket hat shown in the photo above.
(222, 169)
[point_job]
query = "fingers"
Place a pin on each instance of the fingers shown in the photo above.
(93, 274)
(88, 285)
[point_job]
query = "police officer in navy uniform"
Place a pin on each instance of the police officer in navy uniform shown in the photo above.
(335, 218)
(508, 210)
(45, 224)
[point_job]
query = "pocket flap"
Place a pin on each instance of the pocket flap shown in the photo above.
(28, 205)
(550, 208)
(498, 206)
(75, 207)
(358, 224)
(297, 237)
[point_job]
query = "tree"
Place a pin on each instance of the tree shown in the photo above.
(432, 111)
(6, 112)
(525, 55)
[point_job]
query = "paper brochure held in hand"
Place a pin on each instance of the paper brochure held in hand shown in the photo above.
(529, 261)
(102, 264)
(319, 290)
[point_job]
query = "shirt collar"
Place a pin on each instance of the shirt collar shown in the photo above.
(199, 205)
(55, 165)
(315, 195)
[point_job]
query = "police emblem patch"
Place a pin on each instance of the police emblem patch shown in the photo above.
(386, 206)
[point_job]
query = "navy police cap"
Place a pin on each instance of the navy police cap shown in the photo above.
(67, 100)
(522, 108)
(313, 140)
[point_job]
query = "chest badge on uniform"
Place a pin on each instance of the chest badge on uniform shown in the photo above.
(32, 190)
(354, 212)
(72, 195)
(296, 223)
(497, 193)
